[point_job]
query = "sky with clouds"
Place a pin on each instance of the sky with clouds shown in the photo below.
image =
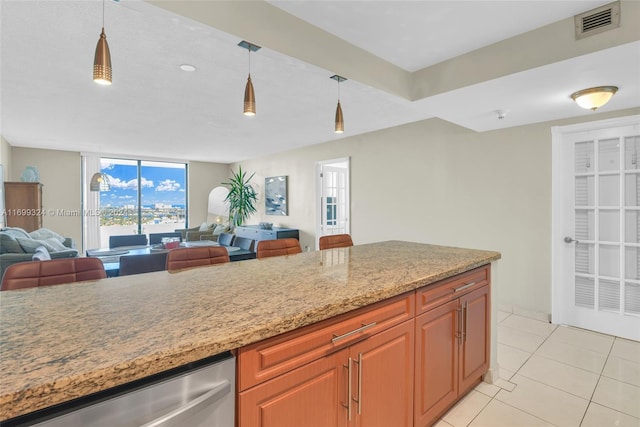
(160, 183)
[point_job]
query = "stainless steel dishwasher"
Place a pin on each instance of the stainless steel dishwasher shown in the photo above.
(198, 397)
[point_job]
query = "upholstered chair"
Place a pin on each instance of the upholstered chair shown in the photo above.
(53, 272)
(270, 248)
(335, 241)
(199, 256)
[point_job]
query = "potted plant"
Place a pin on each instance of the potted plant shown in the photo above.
(242, 197)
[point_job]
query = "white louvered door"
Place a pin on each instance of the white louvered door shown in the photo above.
(600, 234)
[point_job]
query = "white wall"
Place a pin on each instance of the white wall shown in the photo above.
(60, 176)
(5, 156)
(203, 177)
(435, 182)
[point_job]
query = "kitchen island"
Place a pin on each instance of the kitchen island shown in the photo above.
(62, 342)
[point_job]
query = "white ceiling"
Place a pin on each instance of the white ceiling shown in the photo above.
(155, 110)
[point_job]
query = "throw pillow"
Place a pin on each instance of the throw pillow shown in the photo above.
(204, 227)
(16, 232)
(41, 254)
(219, 229)
(45, 233)
(9, 244)
(30, 245)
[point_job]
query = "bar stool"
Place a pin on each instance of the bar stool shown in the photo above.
(335, 241)
(270, 248)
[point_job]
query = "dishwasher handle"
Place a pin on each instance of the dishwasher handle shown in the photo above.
(194, 405)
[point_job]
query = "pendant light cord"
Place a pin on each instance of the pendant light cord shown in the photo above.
(249, 49)
(102, 13)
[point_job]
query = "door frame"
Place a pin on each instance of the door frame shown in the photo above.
(560, 224)
(319, 165)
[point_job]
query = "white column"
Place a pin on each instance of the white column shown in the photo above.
(91, 203)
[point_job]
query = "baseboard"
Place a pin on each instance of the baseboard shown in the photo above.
(531, 314)
(491, 375)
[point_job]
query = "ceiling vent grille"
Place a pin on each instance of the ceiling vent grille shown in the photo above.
(597, 20)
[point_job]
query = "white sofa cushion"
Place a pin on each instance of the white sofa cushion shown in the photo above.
(31, 245)
(45, 233)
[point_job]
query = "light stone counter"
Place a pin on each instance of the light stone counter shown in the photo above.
(66, 341)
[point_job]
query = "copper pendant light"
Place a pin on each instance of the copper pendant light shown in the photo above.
(249, 94)
(249, 99)
(339, 125)
(102, 58)
(339, 119)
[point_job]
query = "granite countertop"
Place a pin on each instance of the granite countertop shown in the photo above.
(61, 342)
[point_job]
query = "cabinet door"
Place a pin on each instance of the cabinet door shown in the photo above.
(382, 378)
(314, 395)
(23, 202)
(474, 353)
(436, 370)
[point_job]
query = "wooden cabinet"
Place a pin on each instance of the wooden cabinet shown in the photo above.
(23, 205)
(436, 362)
(254, 232)
(354, 370)
(382, 379)
(312, 395)
(399, 362)
(452, 343)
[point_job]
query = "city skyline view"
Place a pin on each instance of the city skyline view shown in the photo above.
(160, 183)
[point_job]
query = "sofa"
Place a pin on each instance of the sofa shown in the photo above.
(16, 245)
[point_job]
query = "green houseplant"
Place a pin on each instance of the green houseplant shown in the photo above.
(242, 197)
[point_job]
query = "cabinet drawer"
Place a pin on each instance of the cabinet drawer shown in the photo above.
(249, 233)
(267, 359)
(446, 290)
(267, 235)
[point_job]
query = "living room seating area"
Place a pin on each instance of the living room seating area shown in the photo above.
(16, 245)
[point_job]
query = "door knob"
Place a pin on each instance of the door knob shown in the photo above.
(568, 239)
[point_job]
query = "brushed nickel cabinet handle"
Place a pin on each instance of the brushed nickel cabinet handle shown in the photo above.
(463, 287)
(359, 384)
(465, 310)
(459, 326)
(349, 391)
(355, 331)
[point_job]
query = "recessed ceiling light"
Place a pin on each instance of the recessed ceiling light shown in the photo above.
(187, 67)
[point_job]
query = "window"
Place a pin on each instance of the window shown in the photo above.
(145, 197)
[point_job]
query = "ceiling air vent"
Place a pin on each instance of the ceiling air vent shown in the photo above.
(597, 20)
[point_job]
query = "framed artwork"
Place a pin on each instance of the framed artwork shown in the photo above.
(275, 195)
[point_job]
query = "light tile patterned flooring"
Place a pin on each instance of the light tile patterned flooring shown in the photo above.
(555, 376)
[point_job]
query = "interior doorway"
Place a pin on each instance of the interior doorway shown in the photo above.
(333, 207)
(596, 226)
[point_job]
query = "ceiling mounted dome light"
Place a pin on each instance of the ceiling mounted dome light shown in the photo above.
(99, 182)
(249, 94)
(339, 124)
(595, 97)
(102, 58)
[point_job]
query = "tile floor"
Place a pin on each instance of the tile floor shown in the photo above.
(555, 376)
